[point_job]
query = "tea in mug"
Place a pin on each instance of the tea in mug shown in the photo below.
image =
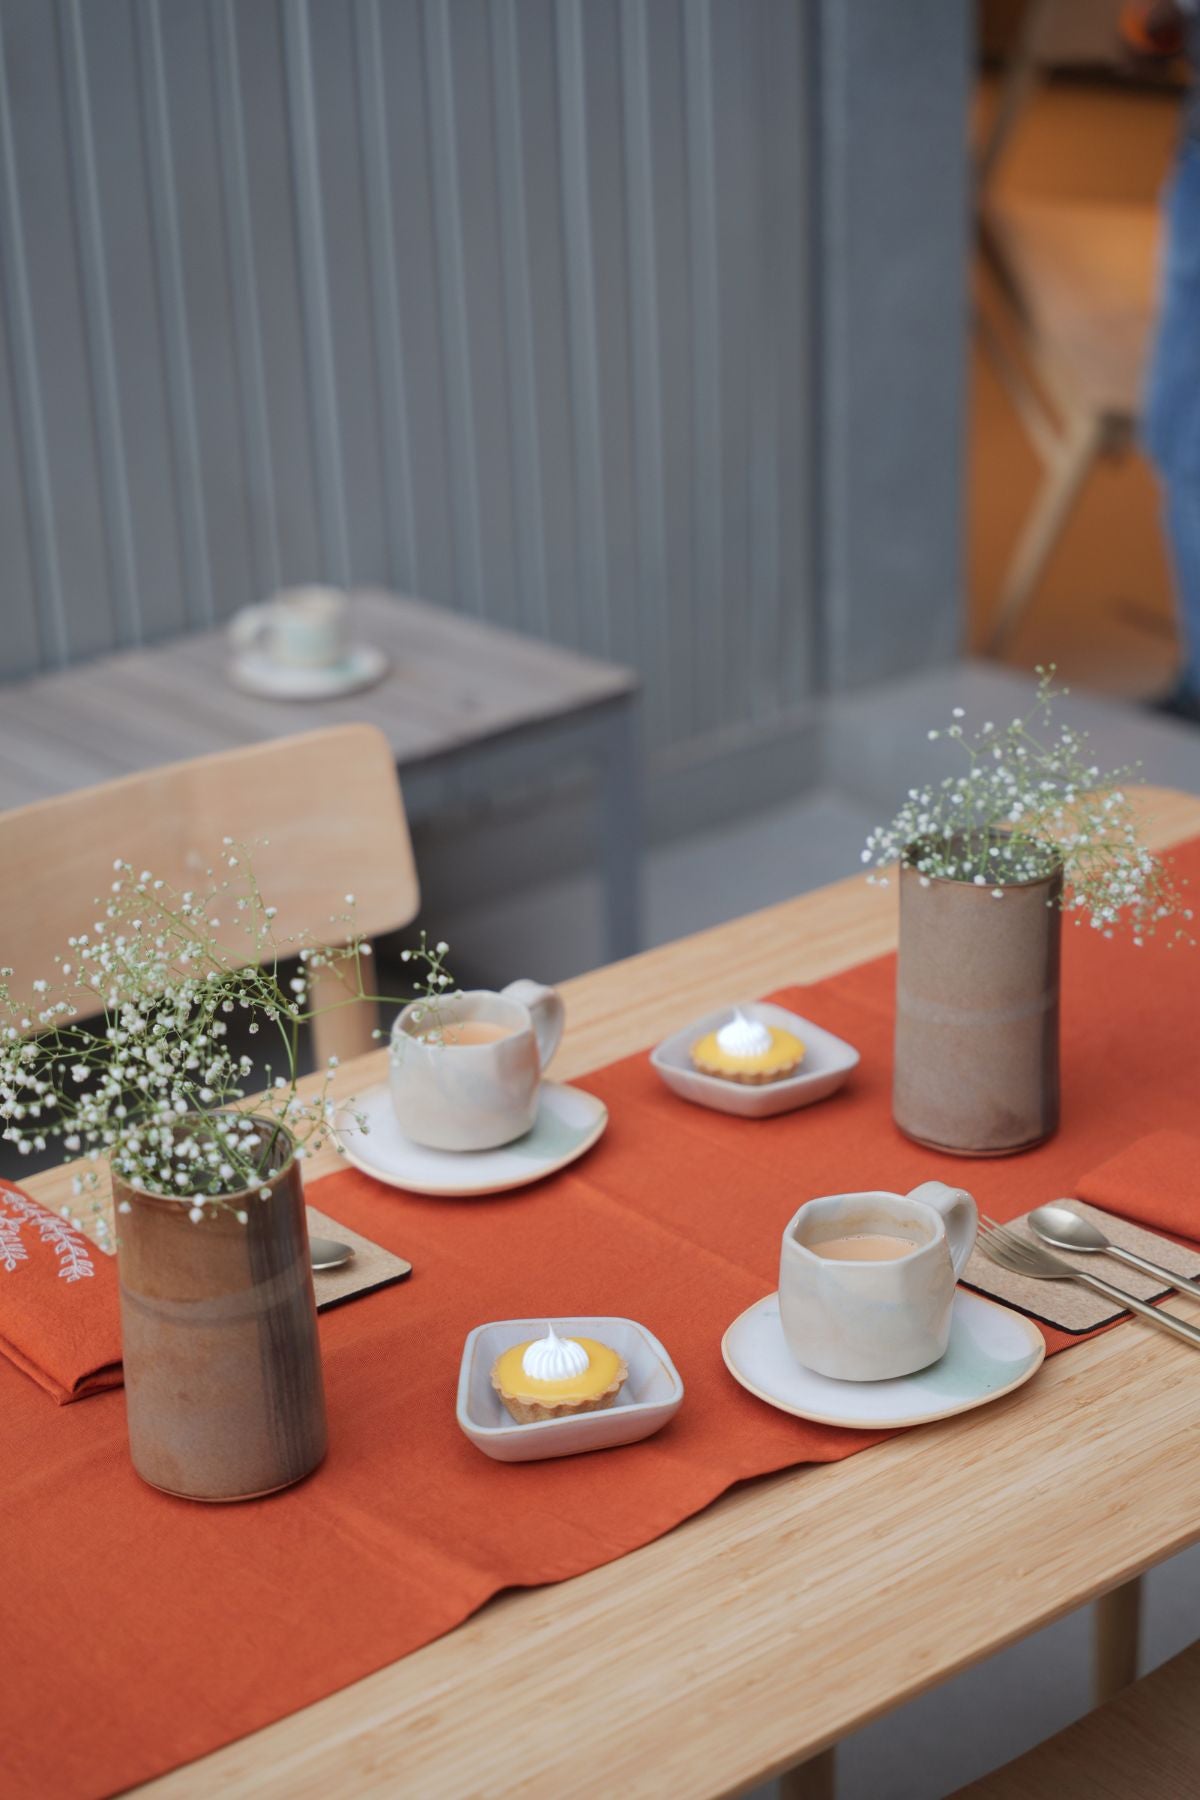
(863, 1246)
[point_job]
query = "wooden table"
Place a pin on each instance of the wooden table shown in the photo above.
(797, 1607)
(467, 708)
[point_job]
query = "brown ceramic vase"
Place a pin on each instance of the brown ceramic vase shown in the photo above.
(977, 1008)
(223, 1386)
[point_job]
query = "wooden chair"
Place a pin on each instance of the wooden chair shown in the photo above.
(1079, 280)
(1077, 284)
(327, 804)
(1144, 1745)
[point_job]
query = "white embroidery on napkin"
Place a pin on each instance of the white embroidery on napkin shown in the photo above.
(12, 1250)
(75, 1264)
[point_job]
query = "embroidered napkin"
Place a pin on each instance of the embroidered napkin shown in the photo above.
(59, 1314)
(59, 1306)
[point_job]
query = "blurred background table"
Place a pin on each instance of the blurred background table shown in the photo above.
(469, 710)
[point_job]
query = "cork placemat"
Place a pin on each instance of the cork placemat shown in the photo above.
(369, 1267)
(1066, 1304)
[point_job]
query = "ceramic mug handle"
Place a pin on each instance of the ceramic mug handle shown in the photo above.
(545, 1009)
(959, 1214)
(248, 627)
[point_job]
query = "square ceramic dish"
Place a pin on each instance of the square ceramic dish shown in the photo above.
(828, 1061)
(651, 1396)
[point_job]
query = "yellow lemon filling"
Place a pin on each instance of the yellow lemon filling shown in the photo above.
(785, 1052)
(603, 1367)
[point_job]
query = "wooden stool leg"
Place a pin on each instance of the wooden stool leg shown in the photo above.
(345, 1030)
(1115, 1633)
(1051, 510)
(815, 1779)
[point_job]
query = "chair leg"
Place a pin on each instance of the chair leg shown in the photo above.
(1083, 442)
(815, 1779)
(1115, 1634)
(345, 1030)
(1019, 80)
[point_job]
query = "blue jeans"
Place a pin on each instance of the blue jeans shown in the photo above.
(1172, 421)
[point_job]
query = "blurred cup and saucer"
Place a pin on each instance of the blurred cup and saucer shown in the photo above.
(298, 646)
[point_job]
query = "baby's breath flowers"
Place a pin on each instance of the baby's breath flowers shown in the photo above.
(1030, 800)
(432, 984)
(155, 1089)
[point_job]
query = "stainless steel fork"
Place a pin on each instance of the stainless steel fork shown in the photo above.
(1016, 1254)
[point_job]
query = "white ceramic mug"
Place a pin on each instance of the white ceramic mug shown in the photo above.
(453, 1096)
(300, 628)
(872, 1321)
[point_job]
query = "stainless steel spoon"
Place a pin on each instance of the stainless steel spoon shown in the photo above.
(1065, 1229)
(328, 1253)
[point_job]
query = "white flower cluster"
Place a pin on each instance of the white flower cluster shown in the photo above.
(154, 1088)
(1030, 802)
(431, 987)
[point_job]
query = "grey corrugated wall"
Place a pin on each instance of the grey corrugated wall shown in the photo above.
(635, 323)
(500, 303)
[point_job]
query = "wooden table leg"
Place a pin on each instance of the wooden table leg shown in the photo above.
(621, 828)
(1115, 1634)
(815, 1779)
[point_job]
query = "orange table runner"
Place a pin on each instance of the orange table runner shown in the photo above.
(140, 1631)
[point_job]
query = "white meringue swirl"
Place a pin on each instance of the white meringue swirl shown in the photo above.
(553, 1358)
(743, 1036)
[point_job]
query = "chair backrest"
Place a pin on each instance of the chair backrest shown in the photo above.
(327, 803)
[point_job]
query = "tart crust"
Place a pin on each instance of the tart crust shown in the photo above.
(776, 1064)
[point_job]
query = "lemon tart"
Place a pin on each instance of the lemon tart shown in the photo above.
(551, 1377)
(748, 1051)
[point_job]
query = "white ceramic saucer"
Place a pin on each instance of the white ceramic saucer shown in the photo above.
(991, 1351)
(568, 1122)
(257, 673)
